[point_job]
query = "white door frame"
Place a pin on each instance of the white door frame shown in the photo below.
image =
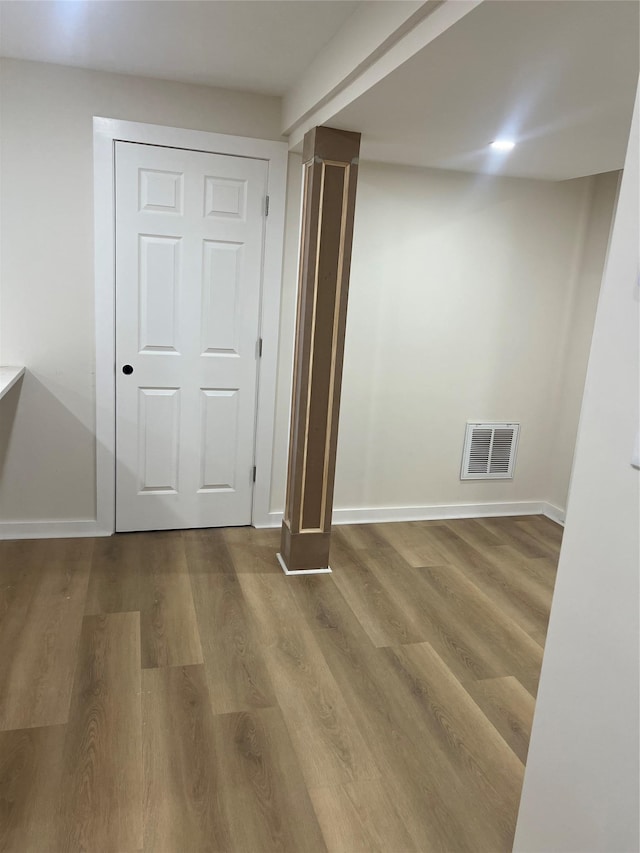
(106, 132)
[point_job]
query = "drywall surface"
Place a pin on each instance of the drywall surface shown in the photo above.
(461, 307)
(576, 341)
(47, 441)
(581, 787)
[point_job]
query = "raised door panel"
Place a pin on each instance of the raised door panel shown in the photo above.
(225, 197)
(221, 297)
(219, 439)
(158, 288)
(160, 190)
(158, 440)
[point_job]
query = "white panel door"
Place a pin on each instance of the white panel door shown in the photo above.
(189, 237)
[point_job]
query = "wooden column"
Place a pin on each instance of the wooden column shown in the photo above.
(330, 172)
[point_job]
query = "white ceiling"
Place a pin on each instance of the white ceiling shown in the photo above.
(557, 76)
(253, 45)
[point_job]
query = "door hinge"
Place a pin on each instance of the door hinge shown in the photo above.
(253, 474)
(259, 347)
(266, 205)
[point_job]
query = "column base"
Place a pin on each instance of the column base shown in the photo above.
(306, 552)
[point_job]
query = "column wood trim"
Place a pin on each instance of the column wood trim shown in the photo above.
(330, 167)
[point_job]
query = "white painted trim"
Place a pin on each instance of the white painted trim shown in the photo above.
(51, 529)
(302, 571)
(433, 513)
(90, 527)
(105, 133)
(269, 331)
(554, 513)
(104, 274)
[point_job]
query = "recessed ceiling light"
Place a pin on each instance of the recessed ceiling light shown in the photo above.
(503, 144)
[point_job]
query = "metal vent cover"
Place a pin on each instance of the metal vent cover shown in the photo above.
(489, 451)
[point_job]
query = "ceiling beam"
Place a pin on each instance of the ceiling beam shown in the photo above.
(374, 41)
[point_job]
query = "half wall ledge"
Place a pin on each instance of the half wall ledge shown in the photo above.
(8, 378)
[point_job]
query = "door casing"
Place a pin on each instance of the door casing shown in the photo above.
(106, 132)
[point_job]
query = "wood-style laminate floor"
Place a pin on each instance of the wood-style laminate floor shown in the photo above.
(175, 692)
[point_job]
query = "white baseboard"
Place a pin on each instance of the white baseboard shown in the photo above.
(51, 529)
(90, 527)
(433, 513)
(554, 513)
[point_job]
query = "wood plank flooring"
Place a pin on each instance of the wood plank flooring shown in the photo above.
(174, 692)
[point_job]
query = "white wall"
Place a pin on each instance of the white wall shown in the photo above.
(462, 305)
(581, 787)
(47, 444)
(576, 338)
(462, 301)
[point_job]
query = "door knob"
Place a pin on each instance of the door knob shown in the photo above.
(127, 370)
